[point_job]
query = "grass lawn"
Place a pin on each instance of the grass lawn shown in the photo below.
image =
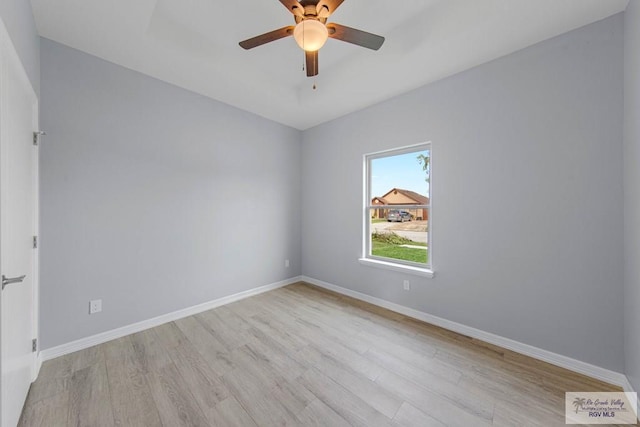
(390, 250)
(375, 221)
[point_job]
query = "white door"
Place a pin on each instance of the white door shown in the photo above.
(18, 203)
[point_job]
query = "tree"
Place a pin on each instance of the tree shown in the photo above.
(426, 164)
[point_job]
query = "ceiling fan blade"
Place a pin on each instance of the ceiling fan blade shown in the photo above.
(312, 63)
(294, 7)
(267, 37)
(351, 35)
(326, 7)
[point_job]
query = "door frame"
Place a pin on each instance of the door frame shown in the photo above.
(8, 54)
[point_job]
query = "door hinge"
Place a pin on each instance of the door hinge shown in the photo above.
(34, 345)
(36, 135)
(35, 242)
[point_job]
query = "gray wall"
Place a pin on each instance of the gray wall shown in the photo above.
(18, 19)
(527, 195)
(632, 192)
(154, 198)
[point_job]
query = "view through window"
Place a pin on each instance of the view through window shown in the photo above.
(399, 205)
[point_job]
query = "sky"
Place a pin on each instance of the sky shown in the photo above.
(402, 171)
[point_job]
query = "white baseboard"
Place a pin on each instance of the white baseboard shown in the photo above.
(578, 366)
(81, 344)
(574, 365)
(628, 388)
(36, 368)
(38, 364)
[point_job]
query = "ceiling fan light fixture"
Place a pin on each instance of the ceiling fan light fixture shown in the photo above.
(310, 35)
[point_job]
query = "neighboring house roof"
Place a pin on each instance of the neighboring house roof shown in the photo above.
(380, 199)
(423, 200)
(418, 198)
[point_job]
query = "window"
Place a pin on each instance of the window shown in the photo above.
(397, 209)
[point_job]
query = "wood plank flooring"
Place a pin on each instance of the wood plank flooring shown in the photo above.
(300, 356)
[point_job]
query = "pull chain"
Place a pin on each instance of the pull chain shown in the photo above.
(304, 57)
(304, 52)
(315, 67)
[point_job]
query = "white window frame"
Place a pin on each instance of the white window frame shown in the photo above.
(390, 263)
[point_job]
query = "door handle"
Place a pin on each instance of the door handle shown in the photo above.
(9, 280)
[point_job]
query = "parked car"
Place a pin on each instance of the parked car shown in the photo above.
(398, 216)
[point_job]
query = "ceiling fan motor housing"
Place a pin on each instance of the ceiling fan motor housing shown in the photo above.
(310, 12)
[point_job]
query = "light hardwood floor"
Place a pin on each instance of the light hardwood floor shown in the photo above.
(300, 355)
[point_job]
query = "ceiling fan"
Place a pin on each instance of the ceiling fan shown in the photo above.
(311, 30)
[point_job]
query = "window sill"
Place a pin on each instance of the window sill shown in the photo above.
(397, 267)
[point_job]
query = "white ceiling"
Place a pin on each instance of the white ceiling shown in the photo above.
(194, 44)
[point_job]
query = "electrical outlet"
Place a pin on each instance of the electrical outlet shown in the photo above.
(407, 285)
(286, 263)
(95, 306)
